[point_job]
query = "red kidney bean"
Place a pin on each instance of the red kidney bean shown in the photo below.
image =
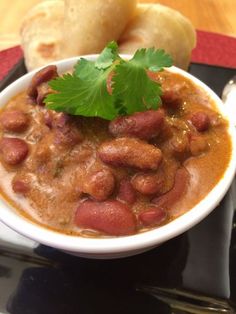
(180, 146)
(14, 150)
(48, 118)
(110, 217)
(152, 216)
(171, 99)
(200, 120)
(20, 186)
(44, 75)
(144, 125)
(99, 184)
(14, 121)
(198, 145)
(180, 185)
(126, 192)
(68, 135)
(42, 91)
(130, 152)
(147, 184)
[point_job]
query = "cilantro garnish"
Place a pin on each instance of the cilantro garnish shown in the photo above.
(85, 91)
(108, 56)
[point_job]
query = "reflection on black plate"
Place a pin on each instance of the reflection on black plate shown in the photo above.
(193, 273)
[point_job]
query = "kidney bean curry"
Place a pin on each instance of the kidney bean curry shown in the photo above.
(94, 177)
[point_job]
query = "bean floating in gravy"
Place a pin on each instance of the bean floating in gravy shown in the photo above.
(126, 192)
(13, 150)
(144, 125)
(180, 186)
(20, 186)
(152, 216)
(200, 120)
(110, 217)
(130, 152)
(99, 184)
(44, 75)
(147, 184)
(14, 121)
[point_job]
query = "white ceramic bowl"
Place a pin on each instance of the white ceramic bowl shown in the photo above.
(126, 245)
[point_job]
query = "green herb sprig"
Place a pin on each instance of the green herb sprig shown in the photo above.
(85, 93)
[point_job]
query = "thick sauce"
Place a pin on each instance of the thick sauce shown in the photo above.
(74, 160)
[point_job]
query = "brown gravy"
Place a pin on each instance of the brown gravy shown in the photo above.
(56, 167)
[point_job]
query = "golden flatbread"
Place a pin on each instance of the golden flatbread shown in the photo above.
(57, 29)
(41, 33)
(158, 26)
(90, 25)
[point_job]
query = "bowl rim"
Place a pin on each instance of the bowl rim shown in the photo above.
(13, 219)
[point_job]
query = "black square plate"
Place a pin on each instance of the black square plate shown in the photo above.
(192, 273)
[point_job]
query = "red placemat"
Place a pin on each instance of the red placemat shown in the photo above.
(9, 58)
(215, 49)
(212, 49)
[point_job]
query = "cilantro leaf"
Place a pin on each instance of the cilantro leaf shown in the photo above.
(133, 87)
(83, 69)
(88, 97)
(107, 56)
(85, 91)
(152, 59)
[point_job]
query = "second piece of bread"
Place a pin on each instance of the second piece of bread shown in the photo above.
(160, 27)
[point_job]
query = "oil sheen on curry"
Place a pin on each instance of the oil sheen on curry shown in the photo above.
(93, 177)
